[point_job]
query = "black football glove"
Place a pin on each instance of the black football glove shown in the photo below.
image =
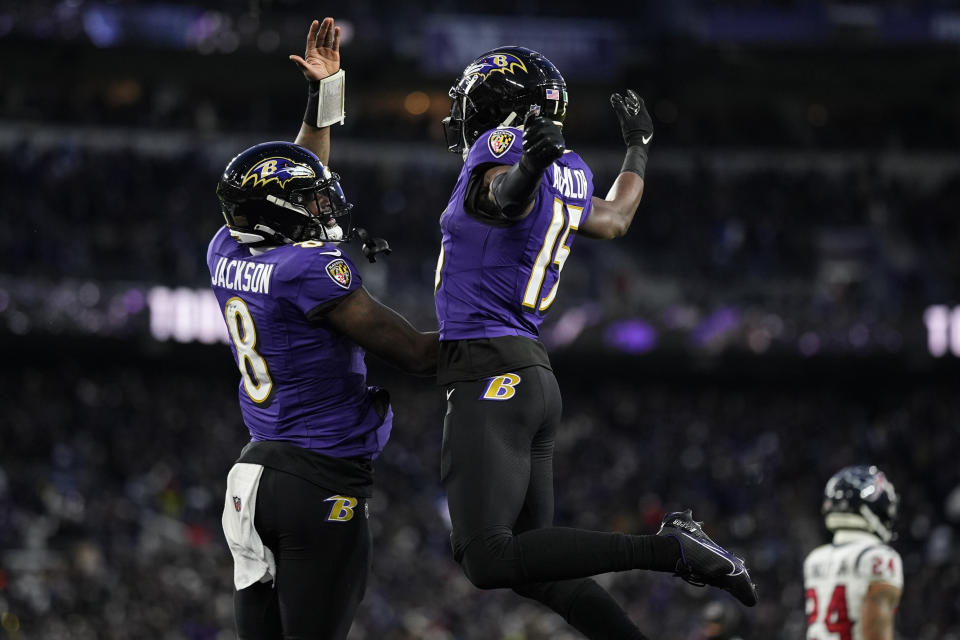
(371, 247)
(635, 122)
(542, 143)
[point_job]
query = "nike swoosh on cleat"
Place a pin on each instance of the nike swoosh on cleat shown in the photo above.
(647, 139)
(734, 569)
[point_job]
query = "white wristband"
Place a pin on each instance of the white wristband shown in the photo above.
(331, 100)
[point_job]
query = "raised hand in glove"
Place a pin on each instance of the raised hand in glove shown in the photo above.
(635, 122)
(542, 143)
(370, 246)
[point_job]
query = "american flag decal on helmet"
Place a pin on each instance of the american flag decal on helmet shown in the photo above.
(553, 94)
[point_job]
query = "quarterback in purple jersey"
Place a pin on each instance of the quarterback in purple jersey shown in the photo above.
(299, 322)
(508, 229)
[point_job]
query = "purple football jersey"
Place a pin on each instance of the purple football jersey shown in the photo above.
(500, 280)
(301, 381)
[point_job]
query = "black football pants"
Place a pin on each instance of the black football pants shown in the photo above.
(322, 549)
(497, 469)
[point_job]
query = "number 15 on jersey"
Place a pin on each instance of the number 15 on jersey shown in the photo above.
(553, 253)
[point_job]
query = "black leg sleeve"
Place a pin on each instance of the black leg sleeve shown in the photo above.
(584, 553)
(257, 613)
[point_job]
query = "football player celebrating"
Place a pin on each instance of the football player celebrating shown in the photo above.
(520, 200)
(299, 320)
(853, 585)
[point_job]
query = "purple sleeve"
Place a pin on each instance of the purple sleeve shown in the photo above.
(497, 146)
(326, 276)
(574, 161)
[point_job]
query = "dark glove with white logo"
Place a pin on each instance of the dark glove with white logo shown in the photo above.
(542, 143)
(637, 127)
(635, 122)
(370, 246)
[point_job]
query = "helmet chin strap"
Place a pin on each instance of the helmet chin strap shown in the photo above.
(329, 234)
(265, 233)
(280, 202)
(509, 119)
(514, 116)
(875, 525)
(506, 123)
(463, 127)
(244, 237)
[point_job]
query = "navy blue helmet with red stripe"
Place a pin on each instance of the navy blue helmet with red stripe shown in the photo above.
(861, 497)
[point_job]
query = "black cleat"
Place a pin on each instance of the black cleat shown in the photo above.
(702, 561)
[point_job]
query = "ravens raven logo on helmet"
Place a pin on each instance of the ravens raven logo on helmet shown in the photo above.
(283, 170)
(502, 62)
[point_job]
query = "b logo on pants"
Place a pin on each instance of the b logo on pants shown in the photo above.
(342, 509)
(501, 387)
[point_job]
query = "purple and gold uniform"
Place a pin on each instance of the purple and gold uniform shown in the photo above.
(497, 277)
(496, 280)
(301, 382)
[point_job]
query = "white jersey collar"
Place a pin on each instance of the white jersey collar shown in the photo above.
(844, 536)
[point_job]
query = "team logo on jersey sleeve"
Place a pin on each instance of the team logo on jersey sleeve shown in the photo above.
(237, 504)
(339, 272)
(500, 142)
(279, 169)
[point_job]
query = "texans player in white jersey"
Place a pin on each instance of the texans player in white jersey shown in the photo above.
(853, 584)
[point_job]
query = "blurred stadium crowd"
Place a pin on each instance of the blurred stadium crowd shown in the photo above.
(758, 223)
(808, 188)
(826, 249)
(112, 477)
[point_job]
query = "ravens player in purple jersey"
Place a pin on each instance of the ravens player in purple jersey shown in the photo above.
(299, 322)
(508, 229)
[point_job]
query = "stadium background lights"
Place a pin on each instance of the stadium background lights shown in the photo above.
(943, 330)
(185, 315)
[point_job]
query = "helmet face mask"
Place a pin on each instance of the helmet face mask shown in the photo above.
(280, 193)
(498, 89)
(861, 498)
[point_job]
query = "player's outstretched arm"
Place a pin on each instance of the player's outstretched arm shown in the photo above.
(877, 613)
(320, 60)
(508, 192)
(612, 216)
(385, 333)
